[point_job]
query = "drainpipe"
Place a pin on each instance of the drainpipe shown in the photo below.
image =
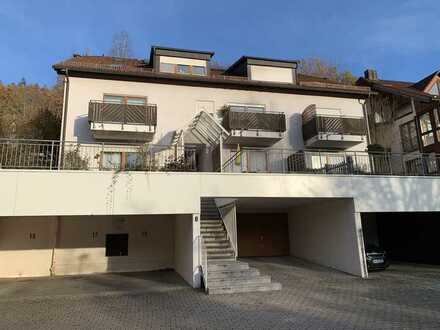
(55, 243)
(367, 122)
(63, 118)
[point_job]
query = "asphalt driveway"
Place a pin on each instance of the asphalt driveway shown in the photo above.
(313, 297)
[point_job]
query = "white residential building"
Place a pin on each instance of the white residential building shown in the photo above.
(169, 163)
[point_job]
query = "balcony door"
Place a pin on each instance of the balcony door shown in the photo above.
(121, 99)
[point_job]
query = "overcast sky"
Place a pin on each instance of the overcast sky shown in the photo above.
(401, 39)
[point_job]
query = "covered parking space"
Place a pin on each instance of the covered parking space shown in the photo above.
(326, 231)
(77, 245)
(405, 236)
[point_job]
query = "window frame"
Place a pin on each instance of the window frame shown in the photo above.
(191, 70)
(412, 140)
(125, 98)
(429, 132)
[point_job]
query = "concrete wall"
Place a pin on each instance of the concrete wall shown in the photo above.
(33, 193)
(176, 112)
(150, 244)
(21, 255)
(327, 235)
(80, 244)
(186, 253)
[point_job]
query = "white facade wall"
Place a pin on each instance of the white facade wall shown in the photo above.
(34, 193)
(328, 235)
(271, 73)
(177, 106)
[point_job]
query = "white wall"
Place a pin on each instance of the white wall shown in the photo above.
(32, 193)
(186, 254)
(176, 112)
(21, 256)
(327, 234)
(150, 244)
(270, 73)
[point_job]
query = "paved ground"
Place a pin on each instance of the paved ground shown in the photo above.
(403, 297)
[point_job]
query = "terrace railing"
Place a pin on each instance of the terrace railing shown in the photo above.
(107, 112)
(248, 119)
(53, 155)
(341, 125)
(272, 160)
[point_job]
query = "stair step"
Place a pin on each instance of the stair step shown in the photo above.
(211, 225)
(218, 245)
(245, 288)
(214, 266)
(215, 250)
(212, 230)
(220, 258)
(214, 235)
(235, 273)
(234, 282)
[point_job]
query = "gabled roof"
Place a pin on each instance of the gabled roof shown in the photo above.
(109, 67)
(425, 83)
(400, 88)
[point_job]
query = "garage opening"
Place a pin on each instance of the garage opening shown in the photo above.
(325, 231)
(405, 236)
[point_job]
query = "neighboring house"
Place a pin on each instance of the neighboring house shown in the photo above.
(170, 163)
(404, 118)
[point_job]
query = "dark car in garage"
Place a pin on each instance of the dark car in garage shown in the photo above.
(376, 257)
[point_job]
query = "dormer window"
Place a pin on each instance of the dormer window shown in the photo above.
(180, 61)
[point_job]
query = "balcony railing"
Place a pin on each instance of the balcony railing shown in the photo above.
(338, 125)
(254, 120)
(53, 155)
(272, 160)
(106, 112)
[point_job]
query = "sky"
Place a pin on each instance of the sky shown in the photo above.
(399, 38)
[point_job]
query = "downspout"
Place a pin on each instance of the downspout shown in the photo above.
(63, 119)
(55, 243)
(365, 110)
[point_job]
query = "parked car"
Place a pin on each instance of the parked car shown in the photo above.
(376, 257)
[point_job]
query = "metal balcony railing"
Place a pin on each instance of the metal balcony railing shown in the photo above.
(339, 125)
(273, 160)
(106, 112)
(56, 155)
(254, 120)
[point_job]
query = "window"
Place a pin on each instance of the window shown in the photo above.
(113, 99)
(199, 70)
(121, 99)
(167, 67)
(116, 245)
(426, 129)
(408, 135)
(133, 160)
(111, 160)
(435, 90)
(183, 68)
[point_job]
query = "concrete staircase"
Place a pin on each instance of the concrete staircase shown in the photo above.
(225, 273)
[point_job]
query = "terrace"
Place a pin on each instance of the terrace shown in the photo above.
(53, 155)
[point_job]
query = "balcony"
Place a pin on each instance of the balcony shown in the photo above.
(328, 128)
(253, 127)
(125, 122)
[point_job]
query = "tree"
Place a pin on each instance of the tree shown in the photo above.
(121, 45)
(324, 69)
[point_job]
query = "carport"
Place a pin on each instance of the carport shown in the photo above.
(76, 245)
(405, 236)
(324, 231)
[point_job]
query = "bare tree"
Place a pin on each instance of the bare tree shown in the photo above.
(121, 45)
(322, 68)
